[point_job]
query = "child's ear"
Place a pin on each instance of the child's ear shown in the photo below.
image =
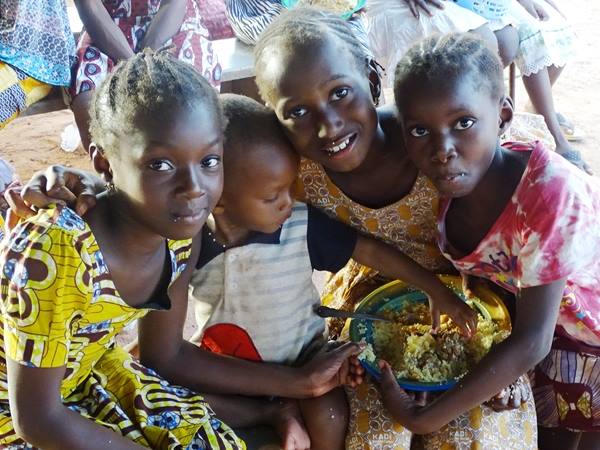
(101, 164)
(506, 114)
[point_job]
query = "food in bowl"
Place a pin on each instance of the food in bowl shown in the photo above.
(416, 353)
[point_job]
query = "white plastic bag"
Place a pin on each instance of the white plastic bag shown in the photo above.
(69, 138)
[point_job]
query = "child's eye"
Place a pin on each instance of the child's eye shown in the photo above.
(297, 113)
(161, 165)
(340, 93)
(464, 124)
(211, 162)
(419, 131)
(271, 199)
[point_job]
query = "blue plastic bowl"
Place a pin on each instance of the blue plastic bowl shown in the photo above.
(394, 296)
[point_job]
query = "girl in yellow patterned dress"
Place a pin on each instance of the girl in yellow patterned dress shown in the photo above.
(324, 90)
(68, 285)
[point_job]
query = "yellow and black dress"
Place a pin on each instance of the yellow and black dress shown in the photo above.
(60, 308)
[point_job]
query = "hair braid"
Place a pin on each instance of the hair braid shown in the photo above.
(303, 27)
(448, 56)
(149, 84)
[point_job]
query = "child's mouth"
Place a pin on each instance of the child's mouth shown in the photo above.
(341, 145)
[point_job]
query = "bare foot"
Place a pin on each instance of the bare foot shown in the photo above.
(289, 425)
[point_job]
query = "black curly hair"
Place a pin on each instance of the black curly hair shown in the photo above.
(149, 85)
(443, 57)
(305, 27)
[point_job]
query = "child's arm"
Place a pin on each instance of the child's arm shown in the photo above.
(165, 24)
(529, 342)
(40, 418)
(57, 184)
(394, 264)
(163, 348)
(105, 33)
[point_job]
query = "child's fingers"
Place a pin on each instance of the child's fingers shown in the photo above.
(435, 320)
(388, 381)
(84, 203)
(413, 8)
(18, 207)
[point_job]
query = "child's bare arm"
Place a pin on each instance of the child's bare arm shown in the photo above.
(165, 24)
(394, 264)
(163, 348)
(529, 342)
(56, 184)
(40, 418)
(104, 32)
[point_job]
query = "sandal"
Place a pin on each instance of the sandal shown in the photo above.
(575, 158)
(568, 129)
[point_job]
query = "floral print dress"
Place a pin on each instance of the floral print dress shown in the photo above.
(60, 308)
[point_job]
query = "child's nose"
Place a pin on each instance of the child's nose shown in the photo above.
(444, 149)
(190, 182)
(287, 201)
(330, 124)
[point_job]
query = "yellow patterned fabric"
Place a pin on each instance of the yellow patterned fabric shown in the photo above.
(408, 224)
(60, 308)
(371, 427)
(17, 92)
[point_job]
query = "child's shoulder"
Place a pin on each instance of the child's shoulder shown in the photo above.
(55, 226)
(551, 180)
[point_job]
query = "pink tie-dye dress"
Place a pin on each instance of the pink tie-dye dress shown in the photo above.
(548, 231)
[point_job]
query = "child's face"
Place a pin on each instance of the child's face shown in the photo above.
(257, 195)
(324, 102)
(174, 180)
(451, 130)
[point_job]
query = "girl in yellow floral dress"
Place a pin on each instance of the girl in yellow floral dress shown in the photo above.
(68, 285)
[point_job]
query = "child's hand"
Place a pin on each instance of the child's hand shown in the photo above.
(56, 184)
(443, 300)
(425, 5)
(396, 400)
(511, 397)
(332, 368)
(356, 372)
(535, 9)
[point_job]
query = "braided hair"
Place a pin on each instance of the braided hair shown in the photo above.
(150, 85)
(448, 57)
(305, 27)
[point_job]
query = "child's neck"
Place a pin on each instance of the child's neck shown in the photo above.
(114, 227)
(226, 231)
(386, 175)
(497, 185)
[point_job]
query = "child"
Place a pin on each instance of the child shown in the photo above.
(66, 288)
(517, 215)
(258, 254)
(118, 29)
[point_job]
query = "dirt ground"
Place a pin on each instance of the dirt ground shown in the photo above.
(31, 143)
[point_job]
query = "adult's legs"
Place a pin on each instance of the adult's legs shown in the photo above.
(81, 110)
(326, 419)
